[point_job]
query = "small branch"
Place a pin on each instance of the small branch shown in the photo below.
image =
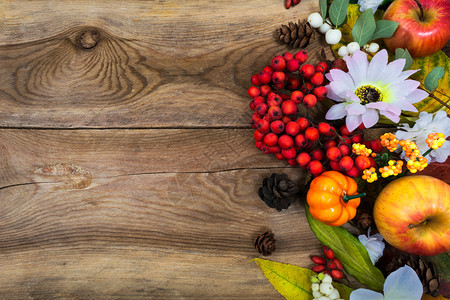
(435, 98)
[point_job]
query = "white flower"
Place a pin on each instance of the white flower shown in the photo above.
(426, 124)
(366, 4)
(370, 89)
(402, 284)
(373, 244)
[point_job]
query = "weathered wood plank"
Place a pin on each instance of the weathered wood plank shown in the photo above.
(156, 63)
(160, 236)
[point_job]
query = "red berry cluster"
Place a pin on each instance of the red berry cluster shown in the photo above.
(289, 3)
(328, 264)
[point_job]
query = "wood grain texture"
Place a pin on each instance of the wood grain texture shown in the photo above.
(156, 63)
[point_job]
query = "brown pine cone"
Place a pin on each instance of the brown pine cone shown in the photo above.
(265, 243)
(296, 35)
(426, 272)
(278, 191)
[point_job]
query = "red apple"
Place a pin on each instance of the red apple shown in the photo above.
(412, 213)
(424, 26)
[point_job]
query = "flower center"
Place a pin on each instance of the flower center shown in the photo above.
(368, 93)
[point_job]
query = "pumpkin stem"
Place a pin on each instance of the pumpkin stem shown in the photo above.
(346, 198)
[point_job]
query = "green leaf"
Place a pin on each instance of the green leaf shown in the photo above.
(404, 53)
(384, 29)
(323, 4)
(349, 250)
(293, 282)
(338, 11)
(432, 80)
(364, 27)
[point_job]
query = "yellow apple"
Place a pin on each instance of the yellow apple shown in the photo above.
(412, 213)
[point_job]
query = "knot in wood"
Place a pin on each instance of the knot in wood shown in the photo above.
(89, 39)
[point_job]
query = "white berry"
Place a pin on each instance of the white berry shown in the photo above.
(352, 47)
(324, 28)
(324, 298)
(343, 51)
(327, 279)
(315, 20)
(334, 294)
(326, 288)
(333, 36)
(366, 47)
(373, 47)
(317, 294)
(315, 287)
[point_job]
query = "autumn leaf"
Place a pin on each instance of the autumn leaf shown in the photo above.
(293, 282)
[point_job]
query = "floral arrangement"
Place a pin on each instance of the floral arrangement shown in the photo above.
(382, 77)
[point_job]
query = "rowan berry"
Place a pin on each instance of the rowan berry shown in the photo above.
(275, 112)
(328, 252)
(268, 69)
(331, 265)
(278, 63)
(345, 150)
(280, 85)
(292, 83)
(278, 77)
(353, 172)
(293, 65)
(303, 122)
(270, 139)
(344, 131)
(317, 155)
(376, 146)
(346, 163)
(292, 128)
(279, 156)
(303, 159)
(320, 92)
(287, 56)
(337, 274)
(289, 152)
(265, 90)
(362, 162)
(274, 149)
(310, 100)
(317, 79)
(274, 99)
(324, 128)
(357, 138)
(297, 97)
(312, 134)
(285, 119)
(277, 126)
(264, 77)
(302, 56)
(335, 165)
(253, 91)
(315, 167)
(263, 126)
(333, 153)
(291, 161)
(255, 79)
(338, 263)
(254, 121)
(285, 97)
(285, 141)
(300, 141)
(265, 149)
(322, 67)
(258, 144)
(289, 107)
(261, 109)
(258, 135)
(307, 71)
(258, 99)
(307, 87)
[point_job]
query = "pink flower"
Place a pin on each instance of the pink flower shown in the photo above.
(370, 89)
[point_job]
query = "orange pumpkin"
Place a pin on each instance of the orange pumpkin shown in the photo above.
(333, 199)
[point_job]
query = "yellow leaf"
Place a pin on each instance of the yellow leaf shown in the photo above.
(293, 282)
(426, 64)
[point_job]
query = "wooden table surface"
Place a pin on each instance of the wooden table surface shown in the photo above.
(128, 170)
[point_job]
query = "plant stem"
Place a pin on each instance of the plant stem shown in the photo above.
(421, 17)
(427, 152)
(435, 98)
(346, 198)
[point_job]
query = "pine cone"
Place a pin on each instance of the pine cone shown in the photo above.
(426, 272)
(265, 243)
(278, 191)
(296, 35)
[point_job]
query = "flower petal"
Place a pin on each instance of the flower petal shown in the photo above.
(337, 111)
(393, 70)
(377, 66)
(403, 284)
(355, 109)
(353, 121)
(378, 105)
(332, 95)
(365, 294)
(357, 67)
(370, 118)
(417, 96)
(405, 105)
(390, 115)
